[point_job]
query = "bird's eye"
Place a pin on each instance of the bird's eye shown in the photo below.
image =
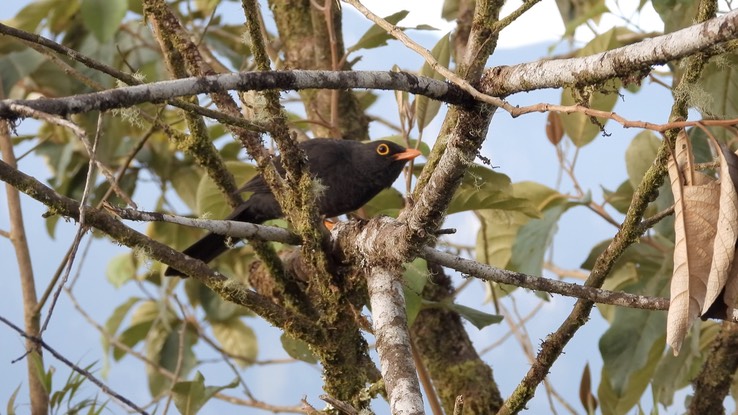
(383, 149)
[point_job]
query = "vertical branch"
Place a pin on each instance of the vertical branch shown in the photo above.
(393, 341)
(714, 380)
(38, 394)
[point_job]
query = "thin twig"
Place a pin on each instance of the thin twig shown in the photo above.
(89, 376)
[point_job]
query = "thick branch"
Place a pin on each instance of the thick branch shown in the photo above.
(344, 235)
(242, 81)
(389, 321)
(713, 383)
(623, 61)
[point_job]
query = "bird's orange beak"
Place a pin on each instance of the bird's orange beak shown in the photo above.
(408, 154)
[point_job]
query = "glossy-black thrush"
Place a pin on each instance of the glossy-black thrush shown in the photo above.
(350, 172)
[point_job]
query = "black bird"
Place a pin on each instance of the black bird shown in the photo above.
(352, 173)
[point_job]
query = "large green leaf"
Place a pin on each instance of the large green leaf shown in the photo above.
(639, 156)
(479, 319)
(17, 65)
(216, 308)
(676, 14)
(388, 202)
(191, 396)
(483, 188)
(676, 372)
(534, 238)
(499, 231)
(103, 17)
(172, 349)
(497, 235)
(414, 280)
(719, 81)
(576, 13)
(621, 197)
(237, 339)
(121, 269)
(376, 36)
(210, 201)
(632, 347)
(111, 327)
(297, 349)
(620, 402)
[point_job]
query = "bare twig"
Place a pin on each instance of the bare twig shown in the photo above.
(89, 376)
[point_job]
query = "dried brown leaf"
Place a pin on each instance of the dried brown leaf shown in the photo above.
(696, 215)
(726, 227)
(731, 286)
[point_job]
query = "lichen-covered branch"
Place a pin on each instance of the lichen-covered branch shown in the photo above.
(621, 62)
(228, 289)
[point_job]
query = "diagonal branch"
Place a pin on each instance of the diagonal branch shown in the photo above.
(228, 289)
(620, 62)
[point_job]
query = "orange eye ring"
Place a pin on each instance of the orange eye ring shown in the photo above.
(383, 149)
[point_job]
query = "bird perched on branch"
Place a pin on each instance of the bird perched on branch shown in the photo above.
(351, 173)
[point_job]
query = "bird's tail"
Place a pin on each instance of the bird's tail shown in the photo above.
(206, 249)
(257, 209)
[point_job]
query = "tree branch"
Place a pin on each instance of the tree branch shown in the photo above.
(228, 289)
(344, 233)
(242, 81)
(31, 316)
(38, 342)
(620, 62)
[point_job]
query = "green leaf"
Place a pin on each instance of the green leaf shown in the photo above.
(17, 65)
(497, 235)
(103, 17)
(578, 126)
(185, 181)
(210, 201)
(499, 232)
(237, 339)
(483, 188)
(426, 108)
(719, 81)
(632, 347)
(620, 199)
(172, 350)
(613, 402)
(576, 13)
(388, 202)
(216, 309)
(414, 278)
(130, 337)
(676, 372)
(478, 318)
(10, 407)
(450, 10)
(535, 236)
(639, 156)
(676, 14)
(533, 240)
(376, 36)
(121, 269)
(297, 349)
(113, 324)
(191, 396)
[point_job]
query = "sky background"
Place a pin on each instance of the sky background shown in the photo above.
(519, 147)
